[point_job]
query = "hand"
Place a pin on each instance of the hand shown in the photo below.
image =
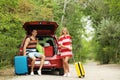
(69, 47)
(58, 53)
(24, 54)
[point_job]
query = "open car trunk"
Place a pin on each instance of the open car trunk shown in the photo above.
(42, 27)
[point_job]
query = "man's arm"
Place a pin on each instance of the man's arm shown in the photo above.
(43, 50)
(25, 45)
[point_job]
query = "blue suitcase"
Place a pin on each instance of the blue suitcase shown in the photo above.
(20, 65)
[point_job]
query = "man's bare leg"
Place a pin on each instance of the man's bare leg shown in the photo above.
(32, 65)
(41, 63)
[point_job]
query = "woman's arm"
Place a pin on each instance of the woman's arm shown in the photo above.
(68, 47)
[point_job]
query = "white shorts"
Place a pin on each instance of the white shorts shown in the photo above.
(32, 53)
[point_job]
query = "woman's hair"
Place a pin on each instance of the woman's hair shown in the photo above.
(67, 32)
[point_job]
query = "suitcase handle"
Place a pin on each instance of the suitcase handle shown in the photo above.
(73, 59)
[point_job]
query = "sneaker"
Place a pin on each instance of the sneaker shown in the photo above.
(32, 73)
(39, 72)
(65, 75)
(68, 74)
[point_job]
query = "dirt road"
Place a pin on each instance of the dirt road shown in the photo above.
(93, 72)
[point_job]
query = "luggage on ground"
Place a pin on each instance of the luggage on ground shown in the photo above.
(79, 69)
(20, 65)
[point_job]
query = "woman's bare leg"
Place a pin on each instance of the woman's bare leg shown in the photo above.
(67, 64)
(64, 66)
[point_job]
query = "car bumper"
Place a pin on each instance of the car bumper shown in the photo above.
(50, 62)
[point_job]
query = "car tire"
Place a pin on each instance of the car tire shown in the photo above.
(29, 70)
(61, 71)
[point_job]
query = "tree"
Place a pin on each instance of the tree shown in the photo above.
(105, 18)
(109, 40)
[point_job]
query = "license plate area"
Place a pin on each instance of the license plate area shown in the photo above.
(45, 62)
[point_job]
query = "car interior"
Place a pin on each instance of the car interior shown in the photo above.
(49, 45)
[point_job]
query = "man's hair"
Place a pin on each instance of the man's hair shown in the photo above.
(30, 32)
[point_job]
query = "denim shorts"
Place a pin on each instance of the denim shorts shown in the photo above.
(32, 53)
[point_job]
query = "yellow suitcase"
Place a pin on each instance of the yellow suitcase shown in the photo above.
(80, 69)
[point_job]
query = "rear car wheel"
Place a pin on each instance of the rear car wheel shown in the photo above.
(61, 71)
(29, 70)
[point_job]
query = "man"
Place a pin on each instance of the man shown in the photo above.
(29, 49)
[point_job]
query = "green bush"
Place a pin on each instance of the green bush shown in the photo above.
(109, 41)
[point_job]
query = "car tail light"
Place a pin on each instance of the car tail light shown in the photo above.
(21, 49)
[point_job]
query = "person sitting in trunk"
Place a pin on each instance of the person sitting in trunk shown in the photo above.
(29, 50)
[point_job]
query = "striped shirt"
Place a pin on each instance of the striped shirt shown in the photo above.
(65, 41)
(32, 44)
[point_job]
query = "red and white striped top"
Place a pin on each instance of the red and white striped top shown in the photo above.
(65, 41)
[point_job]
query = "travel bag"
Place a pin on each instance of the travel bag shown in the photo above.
(79, 69)
(48, 51)
(20, 65)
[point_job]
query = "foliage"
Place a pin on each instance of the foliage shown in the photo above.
(105, 18)
(7, 50)
(73, 22)
(99, 9)
(109, 40)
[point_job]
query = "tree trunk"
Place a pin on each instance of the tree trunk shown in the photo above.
(64, 9)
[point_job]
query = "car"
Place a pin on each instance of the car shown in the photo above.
(46, 36)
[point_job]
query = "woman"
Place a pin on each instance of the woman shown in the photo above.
(65, 44)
